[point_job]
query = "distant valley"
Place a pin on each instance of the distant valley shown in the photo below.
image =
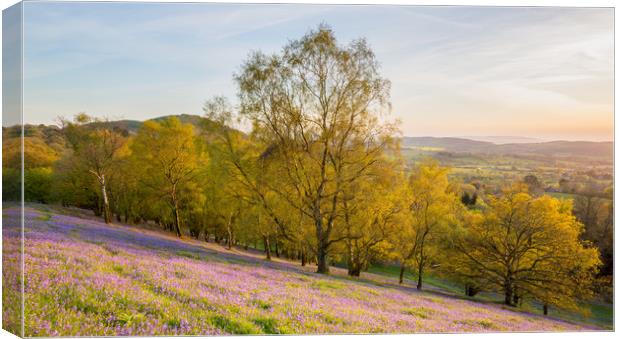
(559, 149)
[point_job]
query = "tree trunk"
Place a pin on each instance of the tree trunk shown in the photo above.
(515, 297)
(471, 291)
(267, 247)
(420, 270)
(321, 253)
(354, 270)
(508, 294)
(545, 309)
(177, 218)
(321, 258)
(303, 257)
(230, 232)
(402, 273)
(276, 247)
(106, 203)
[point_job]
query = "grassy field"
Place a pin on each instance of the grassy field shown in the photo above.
(87, 278)
(496, 170)
(600, 314)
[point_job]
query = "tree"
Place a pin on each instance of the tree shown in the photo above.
(594, 208)
(249, 164)
(433, 205)
(312, 105)
(170, 156)
(38, 159)
(95, 145)
(372, 210)
(527, 247)
(534, 185)
(228, 200)
(468, 200)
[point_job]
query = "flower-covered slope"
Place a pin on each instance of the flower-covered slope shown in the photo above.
(86, 278)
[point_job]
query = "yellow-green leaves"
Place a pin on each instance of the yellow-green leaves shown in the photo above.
(527, 247)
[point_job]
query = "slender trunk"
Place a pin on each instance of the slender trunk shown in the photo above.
(354, 265)
(267, 247)
(177, 218)
(276, 247)
(104, 196)
(421, 264)
(420, 271)
(230, 232)
(303, 257)
(545, 309)
(402, 273)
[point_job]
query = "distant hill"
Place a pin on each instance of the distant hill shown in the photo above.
(582, 149)
(132, 126)
(459, 145)
(504, 139)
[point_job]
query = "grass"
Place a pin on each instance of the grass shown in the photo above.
(600, 314)
(76, 287)
(429, 279)
(420, 312)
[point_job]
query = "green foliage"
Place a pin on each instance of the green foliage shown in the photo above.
(433, 207)
(170, 158)
(261, 304)
(315, 108)
(526, 247)
(129, 319)
(233, 326)
(38, 184)
(11, 184)
(420, 312)
(267, 325)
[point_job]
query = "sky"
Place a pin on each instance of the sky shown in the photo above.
(536, 72)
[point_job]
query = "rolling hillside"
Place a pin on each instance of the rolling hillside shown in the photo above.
(88, 278)
(567, 149)
(584, 149)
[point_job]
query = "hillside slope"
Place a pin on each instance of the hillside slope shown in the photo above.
(87, 278)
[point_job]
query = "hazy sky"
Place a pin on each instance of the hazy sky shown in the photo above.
(455, 71)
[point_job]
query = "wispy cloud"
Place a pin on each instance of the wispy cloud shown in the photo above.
(454, 70)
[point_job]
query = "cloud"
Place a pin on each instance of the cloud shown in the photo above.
(487, 66)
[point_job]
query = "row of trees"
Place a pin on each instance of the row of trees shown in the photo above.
(320, 178)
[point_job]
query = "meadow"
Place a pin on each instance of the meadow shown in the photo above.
(83, 277)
